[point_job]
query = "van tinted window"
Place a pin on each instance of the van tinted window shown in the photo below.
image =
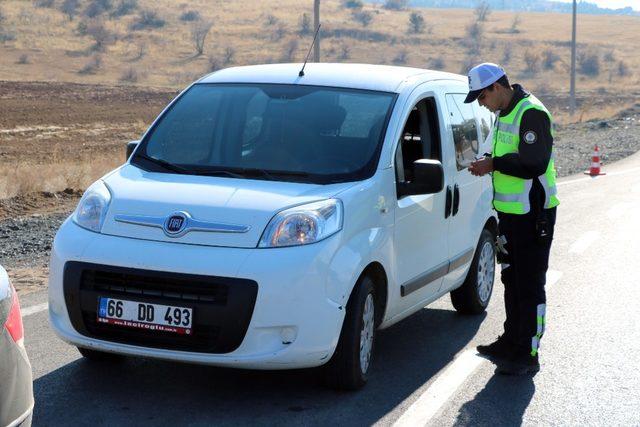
(319, 134)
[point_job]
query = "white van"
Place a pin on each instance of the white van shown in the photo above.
(270, 220)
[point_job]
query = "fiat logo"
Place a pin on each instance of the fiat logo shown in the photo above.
(176, 224)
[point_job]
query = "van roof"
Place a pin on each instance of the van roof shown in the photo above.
(357, 76)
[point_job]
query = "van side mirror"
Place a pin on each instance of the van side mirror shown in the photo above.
(131, 146)
(428, 179)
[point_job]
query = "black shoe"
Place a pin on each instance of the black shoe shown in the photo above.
(500, 349)
(521, 365)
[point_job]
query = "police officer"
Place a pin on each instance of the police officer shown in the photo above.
(525, 196)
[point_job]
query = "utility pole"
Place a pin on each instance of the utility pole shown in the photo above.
(572, 92)
(316, 22)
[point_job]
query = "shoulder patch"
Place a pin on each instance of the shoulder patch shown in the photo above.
(530, 137)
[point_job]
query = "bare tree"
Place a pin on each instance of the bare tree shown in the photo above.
(199, 32)
(483, 10)
(416, 23)
(475, 35)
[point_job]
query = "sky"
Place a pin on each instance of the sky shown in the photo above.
(612, 4)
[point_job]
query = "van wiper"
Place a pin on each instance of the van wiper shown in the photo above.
(168, 166)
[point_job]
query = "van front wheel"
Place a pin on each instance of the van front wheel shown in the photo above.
(474, 294)
(349, 367)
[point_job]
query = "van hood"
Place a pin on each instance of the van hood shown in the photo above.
(221, 211)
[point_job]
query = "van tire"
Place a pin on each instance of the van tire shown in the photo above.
(475, 293)
(345, 369)
(98, 356)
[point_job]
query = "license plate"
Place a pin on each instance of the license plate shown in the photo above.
(142, 315)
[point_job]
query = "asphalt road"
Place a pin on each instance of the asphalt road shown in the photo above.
(425, 370)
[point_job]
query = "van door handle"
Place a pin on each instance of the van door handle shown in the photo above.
(456, 199)
(448, 202)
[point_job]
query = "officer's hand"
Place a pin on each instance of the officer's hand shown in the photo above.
(481, 167)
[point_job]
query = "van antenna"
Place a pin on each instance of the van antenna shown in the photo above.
(301, 73)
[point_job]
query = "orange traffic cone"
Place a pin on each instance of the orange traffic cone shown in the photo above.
(595, 164)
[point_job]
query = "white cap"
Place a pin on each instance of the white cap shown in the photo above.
(482, 76)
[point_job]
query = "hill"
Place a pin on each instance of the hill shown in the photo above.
(167, 43)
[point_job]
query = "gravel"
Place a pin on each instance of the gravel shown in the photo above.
(26, 241)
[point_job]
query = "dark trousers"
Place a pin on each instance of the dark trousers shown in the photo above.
(524, 272)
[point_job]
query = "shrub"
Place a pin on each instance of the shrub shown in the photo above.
(100, 35)
(305, 24)
(532, 62)
(352, 4)
(345, 52)
(475, 33)
(6, 36)
(278, 33)
(514, 25)
(147, 19)
(609, 57)
(289, 52)
(271, 21)
(24, 59)
(214, 64)
(130, 75)
(190, 15)
(363, 17)
(416, 23)
(506, 55)
(589, 63)
(395, 4)
(125, 7)
(2, 17)
(549, 59)
(199, 33)
(82, 28)
(229, 54)
(437, 64)
(623, 69)
(97, 7)
(70, 8)
(401, 57)
(92, 66)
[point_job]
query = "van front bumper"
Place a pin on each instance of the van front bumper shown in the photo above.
(266, 309)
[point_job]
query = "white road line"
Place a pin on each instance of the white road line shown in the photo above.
(433, 398)
(28, 311)
(438, 393)
(583, 243)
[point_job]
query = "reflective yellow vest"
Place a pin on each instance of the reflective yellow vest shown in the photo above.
(511, 194)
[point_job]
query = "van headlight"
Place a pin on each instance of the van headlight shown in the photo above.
(302, 225)
(92, 209)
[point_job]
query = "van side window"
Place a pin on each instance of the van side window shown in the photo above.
(464, 129)
(420, 139)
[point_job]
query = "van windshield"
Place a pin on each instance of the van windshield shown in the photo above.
(267, 131)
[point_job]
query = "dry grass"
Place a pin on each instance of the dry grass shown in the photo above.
(258, 31)
(24, 177)
(56, 51)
